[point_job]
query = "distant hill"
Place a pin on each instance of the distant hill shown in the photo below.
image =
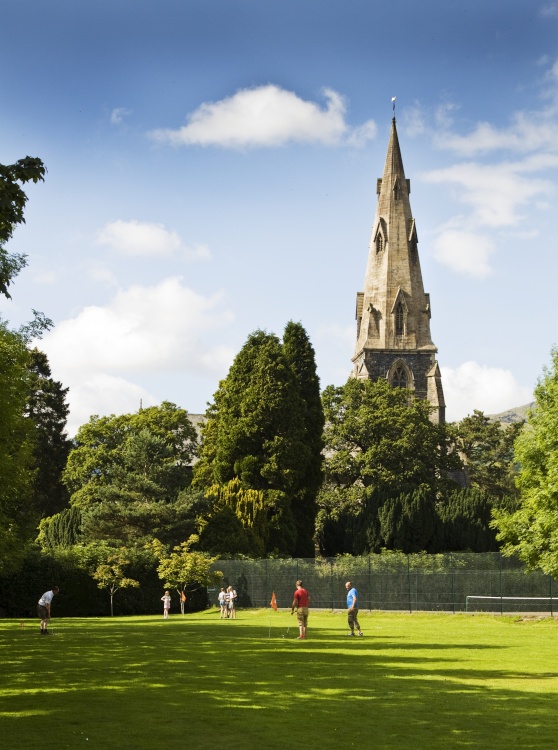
(517, 414)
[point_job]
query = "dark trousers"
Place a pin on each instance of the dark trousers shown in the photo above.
(352, 619)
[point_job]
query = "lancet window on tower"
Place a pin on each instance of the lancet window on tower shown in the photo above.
(399, 319)
(399, 379)
(379, 243)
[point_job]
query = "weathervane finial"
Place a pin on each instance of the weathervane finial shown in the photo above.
(393, 98)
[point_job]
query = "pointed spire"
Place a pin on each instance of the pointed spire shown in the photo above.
(393, 184)
(393, 311)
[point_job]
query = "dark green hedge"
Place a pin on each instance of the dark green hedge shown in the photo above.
(79, 595)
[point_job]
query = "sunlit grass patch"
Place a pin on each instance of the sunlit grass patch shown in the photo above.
(413, 681)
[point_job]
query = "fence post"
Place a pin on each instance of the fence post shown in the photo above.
(409, 581)
(551, 607)
(266, 580)
(369, 587)
(331, 583)
(501, 592)
(452, 583)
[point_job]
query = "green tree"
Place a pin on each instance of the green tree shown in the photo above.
(110, 574)
(300, 354)
(127, 474)
(12, 204)
(255, 431)
(408, 523)
(62, 530)
(379, 437)
(183, 569)
(380, 443)
(48, 411)
(16, 459)
(237, 522)
(531, 532)
(488, 448)
(16, 471)
(465, 516)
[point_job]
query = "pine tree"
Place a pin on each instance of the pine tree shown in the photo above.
(255, 431)
(408, 522)
(465, 518)
(300, 354)
(48, 411)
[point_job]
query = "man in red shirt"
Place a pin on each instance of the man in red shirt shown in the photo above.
(301, 601)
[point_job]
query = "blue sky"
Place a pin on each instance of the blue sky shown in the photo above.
(212, 170)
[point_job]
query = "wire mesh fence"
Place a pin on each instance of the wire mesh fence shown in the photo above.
(396, 581)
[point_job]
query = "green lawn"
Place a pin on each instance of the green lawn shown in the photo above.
(414, 681)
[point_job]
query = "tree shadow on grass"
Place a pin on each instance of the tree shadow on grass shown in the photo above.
(197, 682)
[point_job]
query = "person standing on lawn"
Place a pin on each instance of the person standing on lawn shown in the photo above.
(222, 599)
(301, 600)
(352, 608)
(166, 599)
(43, 608)
(231, 599)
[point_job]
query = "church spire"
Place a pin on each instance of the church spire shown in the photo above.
(393, 311)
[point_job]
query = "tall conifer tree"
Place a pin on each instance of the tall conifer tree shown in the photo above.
(300, 354)
(256, 431)
(48, 411)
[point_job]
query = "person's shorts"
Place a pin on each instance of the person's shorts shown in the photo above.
(42, 611)
(302, 616)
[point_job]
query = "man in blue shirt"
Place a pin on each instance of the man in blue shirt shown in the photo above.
(352, 608)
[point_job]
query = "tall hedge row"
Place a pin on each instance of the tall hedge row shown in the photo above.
(79, 595)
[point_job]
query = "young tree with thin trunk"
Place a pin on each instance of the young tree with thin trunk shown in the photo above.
(110, 575)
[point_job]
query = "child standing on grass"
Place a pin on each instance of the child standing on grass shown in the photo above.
(166, 604)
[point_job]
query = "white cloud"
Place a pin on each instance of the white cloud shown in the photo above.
(464, 252)
(103, 395)
(549, 10)
(98, 272)
(444, 114)
(528, 132)
(144, 329)
(496, 192)
(166, 328)
(118, 114)
(414, 120)
(145, 239)
(489, 389)
(267, 116)
(361, 134)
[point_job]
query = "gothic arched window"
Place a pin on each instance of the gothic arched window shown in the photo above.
(399, 378)
(379, 243)
(399, 319)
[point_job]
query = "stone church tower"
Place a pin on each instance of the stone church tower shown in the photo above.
(393, 311)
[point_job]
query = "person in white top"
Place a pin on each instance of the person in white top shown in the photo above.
(222, 599)
(166, 604)
(43, 608)
(231, 598)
